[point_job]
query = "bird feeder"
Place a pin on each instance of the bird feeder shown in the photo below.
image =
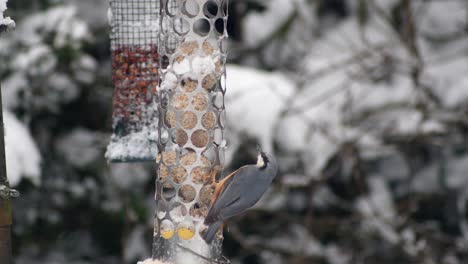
(135, 63)
(191, 144)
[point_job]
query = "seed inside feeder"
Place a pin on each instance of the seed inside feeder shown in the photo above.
(179, 174)
(167, 229)
(169, 157)
(218, 67)
(208, 48)
(163, 172)
(179, 58)
(205, 161)
(200, 102)
(180, 101)
(201, 175)
(199, 138)
(188, 158)
(181, 137)
(198, 211)
(209, 82)
(189, 84)
(186, 230)
(135, 78)
(206, 193)
(209, 120)
(170, 119)
(189, 47)
(187, 193)
(189, 120)
(210, 155)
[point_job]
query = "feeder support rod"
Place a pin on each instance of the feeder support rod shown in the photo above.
(5, 194)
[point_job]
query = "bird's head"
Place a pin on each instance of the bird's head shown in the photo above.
(262, 159)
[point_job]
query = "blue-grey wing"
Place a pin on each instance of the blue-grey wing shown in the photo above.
(228, 195)
(248, 188)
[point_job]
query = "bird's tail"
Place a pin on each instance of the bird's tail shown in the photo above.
(211, 231)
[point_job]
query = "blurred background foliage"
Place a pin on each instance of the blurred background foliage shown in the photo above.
(364, 102)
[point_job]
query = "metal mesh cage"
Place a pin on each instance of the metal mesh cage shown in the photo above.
(191, 145)
(134, 38)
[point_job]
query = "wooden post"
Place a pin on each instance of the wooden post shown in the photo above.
(5, 192)
(5, 206)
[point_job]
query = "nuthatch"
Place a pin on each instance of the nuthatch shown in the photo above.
(238, 192)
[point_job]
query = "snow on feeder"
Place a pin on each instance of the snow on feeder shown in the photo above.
(134, 38)
(191, 144)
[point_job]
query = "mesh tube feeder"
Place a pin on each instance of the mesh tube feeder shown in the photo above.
(191, 126)
(134, 54)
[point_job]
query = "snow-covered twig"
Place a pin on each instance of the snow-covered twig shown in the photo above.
(6, 23)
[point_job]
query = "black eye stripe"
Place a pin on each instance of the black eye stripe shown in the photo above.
(264, 157)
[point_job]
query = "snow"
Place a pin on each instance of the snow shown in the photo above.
(334, 103)
(203, 65)
(304, 243)
(380, 199)
(456, 171)
(169, 82)
(428, 180)
(84, 69)
(269, 257)
(69, 30)
(338, 104)
(128, 175)
(151, 261)
(33, 61)
(335, 255)
(378, 210)
(197, 244)
(3, 7)
(61, 20)
(135, 245)
(181, 67)
(437, 20)
(257, 98)
(294, 180)
(140, 145)
(5, 21)
(64, 87)
(450, 79)
(39, 60)
(393, 167)
(259, 26)
(293, 140)
(110, 16)
(11, 88)
(23, 158)
(91, 11)
(80, 147)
